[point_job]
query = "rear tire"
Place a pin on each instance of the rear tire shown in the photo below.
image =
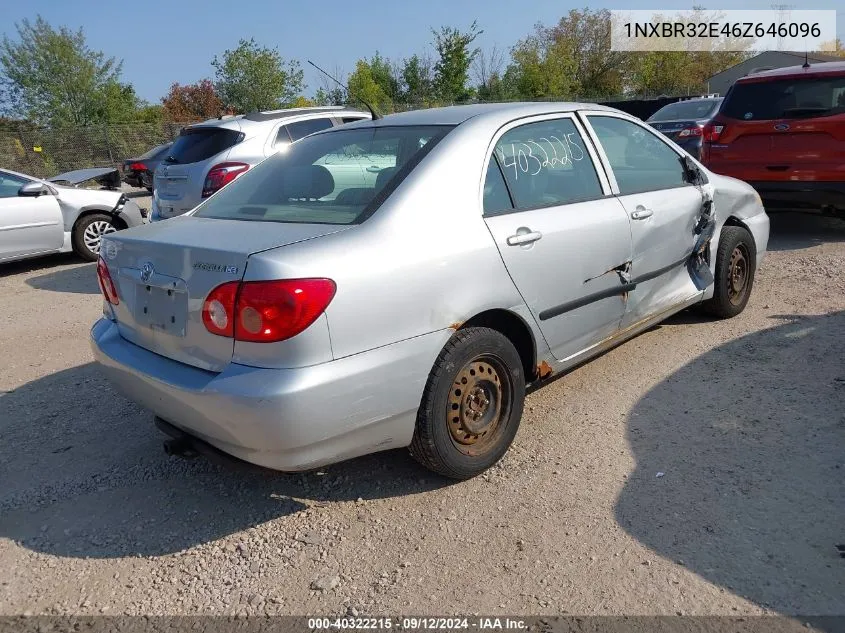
(736, 260)
(471, 406)
(88, 233)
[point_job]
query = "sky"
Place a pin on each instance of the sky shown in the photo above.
(165, 42)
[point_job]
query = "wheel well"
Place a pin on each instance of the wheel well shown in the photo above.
(735, 221)
(116, 219)
(516, 330)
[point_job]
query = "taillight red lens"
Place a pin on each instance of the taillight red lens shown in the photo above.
(218, 311)
(712, 132)
(221, 175)
(266, 311)
(137, 167)
(690, 131)
(107, 286)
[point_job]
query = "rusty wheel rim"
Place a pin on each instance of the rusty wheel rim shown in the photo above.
(479, 402)
(738, 274)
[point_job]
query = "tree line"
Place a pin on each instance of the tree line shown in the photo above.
(50, 76)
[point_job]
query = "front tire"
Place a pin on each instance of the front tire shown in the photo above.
(471, 406)
(88, 233)
(736, 260)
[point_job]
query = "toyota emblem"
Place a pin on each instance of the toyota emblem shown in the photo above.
(147, 271)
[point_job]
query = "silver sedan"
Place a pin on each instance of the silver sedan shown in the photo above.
(399, 282)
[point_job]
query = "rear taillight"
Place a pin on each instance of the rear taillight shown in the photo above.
(107, 286)
(221, 175)
(693, 130)
(266, 311)
(218, 311)
(138, 167)
(712, 132)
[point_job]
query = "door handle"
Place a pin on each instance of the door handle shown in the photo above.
(641, 213)
(524, 236)
(374, 169)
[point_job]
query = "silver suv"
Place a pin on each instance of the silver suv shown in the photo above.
(208, 155)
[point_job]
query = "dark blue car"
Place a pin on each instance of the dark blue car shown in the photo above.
(684, 121)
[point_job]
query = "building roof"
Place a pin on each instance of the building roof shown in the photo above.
(813, 57)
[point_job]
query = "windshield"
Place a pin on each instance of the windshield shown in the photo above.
(786, 98)
(199, 143)
(338, 177)
(687, 110)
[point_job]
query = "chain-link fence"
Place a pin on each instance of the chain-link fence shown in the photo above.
(46, 151)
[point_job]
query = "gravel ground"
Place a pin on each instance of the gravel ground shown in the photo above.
(745, 419)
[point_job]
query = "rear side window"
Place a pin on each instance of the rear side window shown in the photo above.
(301, 129)
(639, 159)
(686, 110)
(337, 178)
(200, 143)
(546, 164)
(497, 200)
(785, 98)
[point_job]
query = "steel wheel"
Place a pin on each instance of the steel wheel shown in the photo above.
(738, 274)
(480, 399)
(94, 232)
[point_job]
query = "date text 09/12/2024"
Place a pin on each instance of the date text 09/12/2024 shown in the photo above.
(417, 624)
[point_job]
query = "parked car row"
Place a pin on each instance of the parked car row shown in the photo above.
(781, 130)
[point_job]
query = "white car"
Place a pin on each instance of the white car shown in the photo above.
(209, 155)
(38, 217)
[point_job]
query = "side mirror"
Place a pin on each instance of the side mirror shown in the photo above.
(34, 189)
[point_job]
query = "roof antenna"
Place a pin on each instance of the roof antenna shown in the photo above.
(373, 113)
(806, 60)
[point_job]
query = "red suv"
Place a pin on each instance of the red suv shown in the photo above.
(783, 131)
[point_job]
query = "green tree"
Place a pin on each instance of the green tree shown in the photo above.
(363, 86)
(418, 80)
(53, 76)
(571, 59)
(386, 76)
(252, 77)
(455, 57)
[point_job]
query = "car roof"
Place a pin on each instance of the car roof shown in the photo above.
(242, 121)
(795, 71)
(455, 115)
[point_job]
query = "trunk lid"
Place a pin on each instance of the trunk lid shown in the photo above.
(672, 129)
(780, 149)
(165, 270)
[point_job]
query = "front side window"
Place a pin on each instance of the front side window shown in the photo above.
(301, 129)
(340, 177)
(9, 185)
(545, 164)
(639, 159)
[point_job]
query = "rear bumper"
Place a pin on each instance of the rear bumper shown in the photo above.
(285, 419)
(820, 196)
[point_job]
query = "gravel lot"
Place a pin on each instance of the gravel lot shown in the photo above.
(745, 418)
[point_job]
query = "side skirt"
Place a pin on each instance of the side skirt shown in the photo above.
(616, 339)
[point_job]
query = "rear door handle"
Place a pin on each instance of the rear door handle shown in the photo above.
(522, 238)
(641, 213)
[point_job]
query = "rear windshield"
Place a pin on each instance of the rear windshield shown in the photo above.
(686, 110)
(786, 98)
(338, 177)
(154, 152)
(199, 143)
